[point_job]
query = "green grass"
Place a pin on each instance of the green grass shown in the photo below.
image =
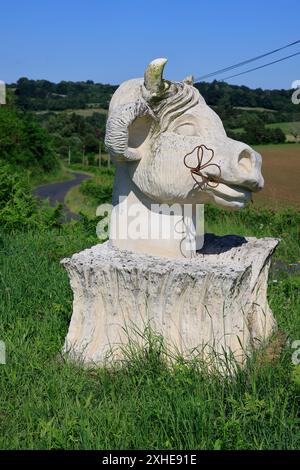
(238, 129)
(91, 168)
(78, 203)
(284, 126)
(260, 109)
(46, 403)
(57, 176)
(85, 198)
(259, 222)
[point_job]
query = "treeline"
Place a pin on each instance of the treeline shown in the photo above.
(39, 95)
(219, 93)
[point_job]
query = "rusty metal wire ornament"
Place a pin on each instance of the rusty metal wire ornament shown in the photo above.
(211, 182)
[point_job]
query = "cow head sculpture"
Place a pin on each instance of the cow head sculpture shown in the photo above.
(159, 126)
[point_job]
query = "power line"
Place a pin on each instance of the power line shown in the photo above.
(226, 69)
(262, 66)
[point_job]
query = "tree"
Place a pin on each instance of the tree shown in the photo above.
(276, 136)
(91, 143)
(23, 142)
(294, 130)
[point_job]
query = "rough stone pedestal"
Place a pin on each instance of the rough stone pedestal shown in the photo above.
(215, 302)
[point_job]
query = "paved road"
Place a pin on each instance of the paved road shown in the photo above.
(56, 192)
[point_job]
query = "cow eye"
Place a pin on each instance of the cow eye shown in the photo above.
(186, 129)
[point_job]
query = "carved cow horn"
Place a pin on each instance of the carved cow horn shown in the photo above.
(153, 78)
(116, 137)
(154, 89)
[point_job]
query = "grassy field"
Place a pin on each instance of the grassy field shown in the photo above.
(46, 403)
(286, 127)
(78, 203)
(259, 109)
(85, 112)
(56, 176)
(140, 403)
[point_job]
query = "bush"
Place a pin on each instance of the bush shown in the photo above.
(18, 208)
(100, 187)
(100, 192)
(257, 133)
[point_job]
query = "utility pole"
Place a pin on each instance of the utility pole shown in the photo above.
(108, 155)
(69, 158)
(2, 93)
(99, 154)
(83, 155)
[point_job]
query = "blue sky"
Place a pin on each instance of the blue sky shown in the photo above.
(110, 41)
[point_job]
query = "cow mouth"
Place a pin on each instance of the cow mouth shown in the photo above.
(232, 196)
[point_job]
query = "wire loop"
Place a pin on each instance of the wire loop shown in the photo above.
(197, 170)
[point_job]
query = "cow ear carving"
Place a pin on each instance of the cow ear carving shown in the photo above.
(189, 80)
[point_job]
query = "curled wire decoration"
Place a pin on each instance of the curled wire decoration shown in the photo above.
(211, 182)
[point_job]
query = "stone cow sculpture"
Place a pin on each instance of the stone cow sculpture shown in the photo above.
(170, 148)
(172, 155)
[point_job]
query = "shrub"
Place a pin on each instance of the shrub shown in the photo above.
(18, 208)
(100, 187)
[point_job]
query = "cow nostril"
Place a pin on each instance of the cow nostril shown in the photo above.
(245, 160)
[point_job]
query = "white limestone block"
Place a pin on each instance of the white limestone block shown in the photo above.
(213, 303)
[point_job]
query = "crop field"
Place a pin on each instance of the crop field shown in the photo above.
(281, 170)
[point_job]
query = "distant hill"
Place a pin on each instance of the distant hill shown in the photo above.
(42, 95)
(221, 93)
